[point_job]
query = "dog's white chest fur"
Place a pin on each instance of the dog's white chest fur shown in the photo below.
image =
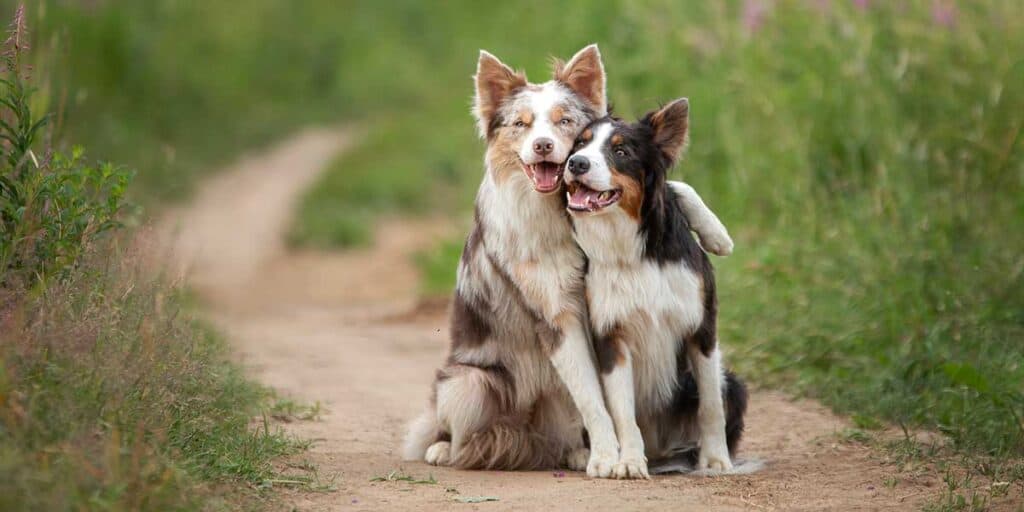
(529, 234)
(653, 305)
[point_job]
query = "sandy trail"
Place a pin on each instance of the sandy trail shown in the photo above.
(336, 328)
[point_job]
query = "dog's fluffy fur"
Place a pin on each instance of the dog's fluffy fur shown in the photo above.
(651, 297)
(520, 382)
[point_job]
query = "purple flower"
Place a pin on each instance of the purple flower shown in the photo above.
(944, 13)
(754, 14)
(862, 4)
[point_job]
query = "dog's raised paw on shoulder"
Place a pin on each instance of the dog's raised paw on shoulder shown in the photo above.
(717, 242)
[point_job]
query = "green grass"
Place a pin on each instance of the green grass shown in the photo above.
(868, 161)
(436, 268)
(113, 397)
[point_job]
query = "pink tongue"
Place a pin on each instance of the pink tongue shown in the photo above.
(583, 198)
(546, 176)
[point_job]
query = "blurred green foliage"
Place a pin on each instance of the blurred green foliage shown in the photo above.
(867, 156)
(175, 88)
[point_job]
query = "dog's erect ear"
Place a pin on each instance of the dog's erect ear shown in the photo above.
(494, 82)
(584, 74)
(670, 125)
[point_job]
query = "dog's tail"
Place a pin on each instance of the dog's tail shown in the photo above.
(735, 401)
(422, 432)
(508, 444)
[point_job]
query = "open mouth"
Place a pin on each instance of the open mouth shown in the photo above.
(546, 176)
(585, 199)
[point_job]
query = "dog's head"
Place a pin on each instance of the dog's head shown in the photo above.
(532, 126)
(620, 165)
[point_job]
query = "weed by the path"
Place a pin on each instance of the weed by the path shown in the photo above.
(967, 482)
(303, 475)
(397, 475)
(52, 206)
(288, 410)
(959, 496)
(110, 391)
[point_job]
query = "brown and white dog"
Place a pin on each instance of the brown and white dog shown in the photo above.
(651, 297)
(520, 382)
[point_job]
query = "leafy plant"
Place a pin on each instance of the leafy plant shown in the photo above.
(51, 206)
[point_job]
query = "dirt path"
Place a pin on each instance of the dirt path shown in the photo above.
(336, 328)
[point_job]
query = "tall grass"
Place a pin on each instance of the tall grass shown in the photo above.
(867, 156)
(113, 397)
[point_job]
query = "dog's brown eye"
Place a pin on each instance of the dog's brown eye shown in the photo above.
(519, 124)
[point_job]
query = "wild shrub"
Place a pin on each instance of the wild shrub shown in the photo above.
(52, 205)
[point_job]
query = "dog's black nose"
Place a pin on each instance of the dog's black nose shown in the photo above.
(578, 165)
(543, 146)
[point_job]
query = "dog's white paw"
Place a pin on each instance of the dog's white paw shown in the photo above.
(715, 459)
(601, 464)
(717, 242)
(577, 459)
(439, 453)
(631, 468)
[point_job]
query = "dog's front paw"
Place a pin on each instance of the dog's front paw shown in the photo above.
(601, 464)
(439, 453)
(717, 242)
(714, 459)
(631, 468)
(577, 459)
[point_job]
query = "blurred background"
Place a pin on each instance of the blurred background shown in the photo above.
(866, 155)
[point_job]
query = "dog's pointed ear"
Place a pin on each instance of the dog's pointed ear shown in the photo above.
(584, 74)
(494, 82)
(670, 125)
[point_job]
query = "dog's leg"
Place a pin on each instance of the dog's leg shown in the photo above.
(713, 235)
(465, 405)
(618, 388)
(573, 360)
(422, 435)
(707, 369)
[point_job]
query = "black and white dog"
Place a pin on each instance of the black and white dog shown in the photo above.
(520, 382)
(651, 297)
